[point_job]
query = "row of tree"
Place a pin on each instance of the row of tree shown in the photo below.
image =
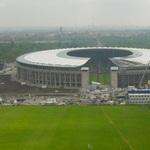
(9, 52)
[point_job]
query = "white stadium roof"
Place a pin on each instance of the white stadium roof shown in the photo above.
(59, 57)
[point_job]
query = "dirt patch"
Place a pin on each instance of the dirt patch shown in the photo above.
(9, 86)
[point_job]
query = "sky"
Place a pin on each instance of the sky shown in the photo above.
(21, 13)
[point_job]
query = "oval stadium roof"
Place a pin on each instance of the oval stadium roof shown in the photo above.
(60, 58)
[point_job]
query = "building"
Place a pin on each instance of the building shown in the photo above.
(138, 96)
(139, 99)
(69, 68)
(52, 68)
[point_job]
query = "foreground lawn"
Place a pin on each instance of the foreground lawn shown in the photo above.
(74, 127)
(103, 78)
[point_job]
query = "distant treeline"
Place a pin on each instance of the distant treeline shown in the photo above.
(9, 52)
(137, 41)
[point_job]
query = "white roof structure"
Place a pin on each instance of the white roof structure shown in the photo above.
(60, 58)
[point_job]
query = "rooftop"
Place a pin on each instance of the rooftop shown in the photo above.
(60, 58)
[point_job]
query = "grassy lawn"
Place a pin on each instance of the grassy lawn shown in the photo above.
(74, 127)
(103, 78)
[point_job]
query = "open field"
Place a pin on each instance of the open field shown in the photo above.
(103, 78)
(74, 127)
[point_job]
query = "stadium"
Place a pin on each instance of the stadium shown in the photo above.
(69, 68)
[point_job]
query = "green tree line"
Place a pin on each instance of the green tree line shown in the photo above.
(9, 52)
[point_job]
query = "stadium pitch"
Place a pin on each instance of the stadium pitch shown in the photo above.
(103, 78)
(74, 127)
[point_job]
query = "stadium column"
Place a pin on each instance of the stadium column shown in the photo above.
(38, 77)
(27, 75)
(85, 77)
(35, 77)
(18, 72)
(42, 78)
(70, 79)
(21, 74)
(114, 77)
(54, 79)
(76, 80)
(46, 79)
(59, 79)
(65, 79)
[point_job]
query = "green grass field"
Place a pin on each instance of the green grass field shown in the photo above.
(74, 127)
(103, 78)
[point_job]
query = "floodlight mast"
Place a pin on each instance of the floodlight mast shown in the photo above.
(144, 74)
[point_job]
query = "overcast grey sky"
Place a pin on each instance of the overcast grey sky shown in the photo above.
(74, 12)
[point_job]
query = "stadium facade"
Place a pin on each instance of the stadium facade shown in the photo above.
(69, 68)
